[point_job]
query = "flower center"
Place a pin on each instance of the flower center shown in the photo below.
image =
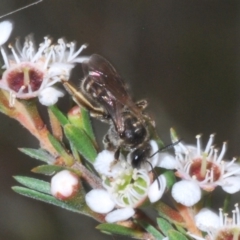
(231, 234)
(25, 78)
(196, 169)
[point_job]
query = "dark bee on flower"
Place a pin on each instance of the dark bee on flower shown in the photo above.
(104, 93)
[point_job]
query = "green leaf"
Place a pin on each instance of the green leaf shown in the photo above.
(77, 204)
(45, 198)
(59, 115)
(68, 159)
(168, 213)
(175, 235)
(87, 123)
(38, 154)
(170, 178)
(164, 225)
(152, 230)
(33, 183)
(111, 228)
(48, 169)
(81, 141)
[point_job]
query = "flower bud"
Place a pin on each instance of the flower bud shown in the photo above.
(64, 185)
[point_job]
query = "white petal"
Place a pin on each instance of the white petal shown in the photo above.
(186, 192)
(103, 162)
(99, 201)
(154, 160)
(49, 96)
(64, 184)
(120, 215)
(154, 193)
(231, 184)
(166, 161)
(206, 220)
(5, 30)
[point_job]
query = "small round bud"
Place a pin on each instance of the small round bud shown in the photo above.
(64, 185)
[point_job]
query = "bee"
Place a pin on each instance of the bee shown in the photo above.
(104, 93)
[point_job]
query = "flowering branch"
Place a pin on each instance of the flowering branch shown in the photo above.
(120, 183)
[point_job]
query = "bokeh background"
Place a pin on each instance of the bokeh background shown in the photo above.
(182, 56)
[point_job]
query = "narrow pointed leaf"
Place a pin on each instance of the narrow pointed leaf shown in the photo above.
(112, 228)
(59, 115)
(164, 225)
(175, 235)
(68, 159)
(43, 197)
(33, 183)
(150, 229)
(38, 154)
(87, 123)
(76, 205)
(168, 213)
(81, 141)
(48, 169)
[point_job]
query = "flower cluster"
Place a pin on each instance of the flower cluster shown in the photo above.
(202, 169)
(31, 72)
(218, 227)
(125, 187)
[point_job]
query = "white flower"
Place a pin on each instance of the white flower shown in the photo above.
(99, 201)
(206, 168)
(120, 215)
(5, 30)
(218, 227)
(64, 185)
(29, 71)
(49, 96)
(154, 192)
(186, 192)
(206, 219)
(126, 186)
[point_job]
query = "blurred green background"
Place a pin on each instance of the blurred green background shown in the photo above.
(182, 56)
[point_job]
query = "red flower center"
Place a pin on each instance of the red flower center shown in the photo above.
(24, 76)
(197, 170)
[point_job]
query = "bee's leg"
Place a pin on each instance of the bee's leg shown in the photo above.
(107, 143)
(117, 154)
(142, 104)
(82, 101)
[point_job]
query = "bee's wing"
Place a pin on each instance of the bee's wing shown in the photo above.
(99, 69)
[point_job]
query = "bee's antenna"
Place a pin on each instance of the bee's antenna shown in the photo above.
(166, 147)
(155, 174)
(19, 9)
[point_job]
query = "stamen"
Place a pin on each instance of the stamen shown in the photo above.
(231, 173)
(215, 155)
(42, 47)
(221, 216)
(62, 49)
(14, 54)
(210, 142)
(78, 52)
(198, 137)
(5, 58)
(225, 218)
(234, 216)
(12, 99)
(237, 214)
(222, 152)
(211, 152)
(49, 55)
